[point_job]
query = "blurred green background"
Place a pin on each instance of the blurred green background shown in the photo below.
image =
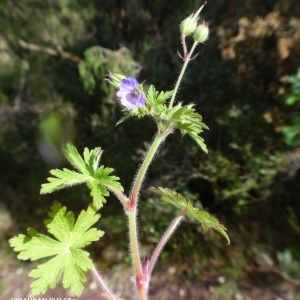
(245, 82)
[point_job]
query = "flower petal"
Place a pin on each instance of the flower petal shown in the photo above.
(131, 96)
(132, 82)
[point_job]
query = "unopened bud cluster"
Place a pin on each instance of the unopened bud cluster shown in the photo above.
(189, 26)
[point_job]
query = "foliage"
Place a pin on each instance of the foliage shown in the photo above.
(185, 118)
(235, 186)
(67, 257)
(291, 133)
(97, 178)
(97, 60)
(177, 200)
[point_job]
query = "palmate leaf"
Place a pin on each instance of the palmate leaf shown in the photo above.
(188, 121)
(64, 253)
(207, 221)
(98, 179)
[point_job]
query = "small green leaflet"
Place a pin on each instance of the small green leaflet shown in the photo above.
(154, 101)
(207, 221)
(98, 179)
(157, 98)
(64, 253)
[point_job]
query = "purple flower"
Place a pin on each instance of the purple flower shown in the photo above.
(129, 93)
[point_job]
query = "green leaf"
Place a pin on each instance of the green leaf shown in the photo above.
(154, 105)
(64, 253)
(63, 178)
(188, 121)
(151, 95)
(98, 179)
(163, 96)
(155, 98)
(88, 163)
(207, 221)
(101, 182)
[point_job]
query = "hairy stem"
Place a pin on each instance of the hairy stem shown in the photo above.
(103, 285)
(135, 253)
(143, 169)
(183, 45)
(141, 280)
(163, 241)
(134, 245)
(183, 69)
(123, 199)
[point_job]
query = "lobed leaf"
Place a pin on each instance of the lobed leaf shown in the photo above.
(98, 193)
(67, 258)
(207, 221)
(188, 121)
(63, 178)
(98, 179)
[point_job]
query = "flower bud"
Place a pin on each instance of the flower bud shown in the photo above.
(201, 33)
(115, 79)
(188, 25)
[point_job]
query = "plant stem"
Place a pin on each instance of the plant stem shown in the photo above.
(123, 199)
(141, 281)
(163, 241)
(184, 45)
(183, 69)
(143, 169)
(103, 284)
(131, 208)
(135, 253)
(134, 246)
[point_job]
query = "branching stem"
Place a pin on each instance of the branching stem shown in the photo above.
(141, 281)
(123, 199)
(187, 59)
(171, 229)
